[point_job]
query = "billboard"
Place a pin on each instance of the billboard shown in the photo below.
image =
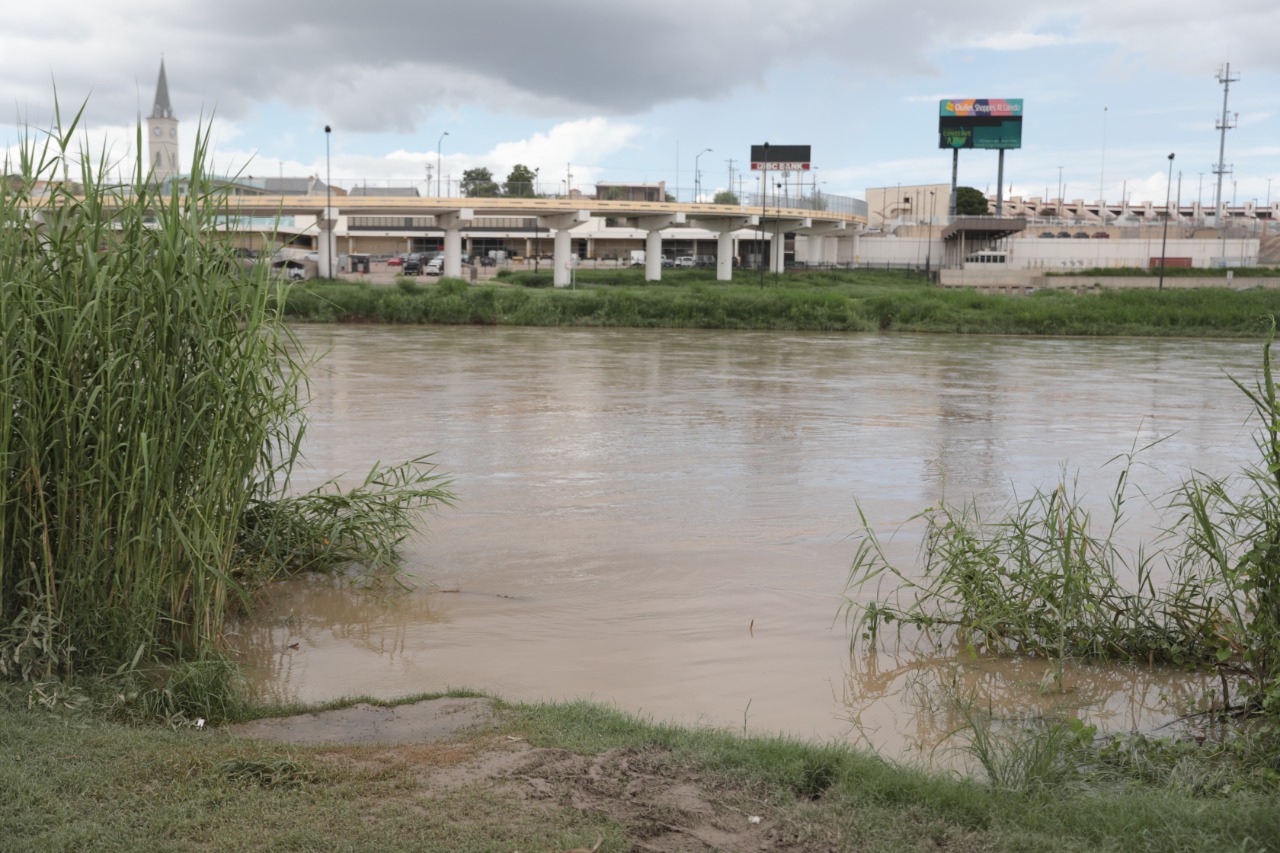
(780, 158)
(980, 123)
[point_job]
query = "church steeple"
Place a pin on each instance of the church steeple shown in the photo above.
(162, 133)
(162, 108)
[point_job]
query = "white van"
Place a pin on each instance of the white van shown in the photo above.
(435, 266)
(684, 261)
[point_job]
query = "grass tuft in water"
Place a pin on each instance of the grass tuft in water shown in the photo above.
(1046, 579)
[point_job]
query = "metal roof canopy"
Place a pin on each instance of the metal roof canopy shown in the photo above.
(983, 226)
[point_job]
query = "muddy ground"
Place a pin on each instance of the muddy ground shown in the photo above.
(665, 805)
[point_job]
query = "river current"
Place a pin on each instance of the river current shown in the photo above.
(664, 520)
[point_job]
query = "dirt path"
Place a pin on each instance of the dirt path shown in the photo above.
(450, 744)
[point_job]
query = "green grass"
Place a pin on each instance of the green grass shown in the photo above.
(75, 782)
(832, 301)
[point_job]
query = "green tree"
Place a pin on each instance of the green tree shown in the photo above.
(971, 202)
(479, 183)
(521, 182)
(725, 197)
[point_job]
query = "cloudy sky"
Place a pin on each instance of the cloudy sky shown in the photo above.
(634, 91)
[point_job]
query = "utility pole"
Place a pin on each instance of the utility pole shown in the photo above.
(1224, 124)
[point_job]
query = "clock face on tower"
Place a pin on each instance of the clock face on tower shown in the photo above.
(157, 131)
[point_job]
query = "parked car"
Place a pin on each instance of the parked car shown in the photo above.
(1101, 235)
(1065, 235)
(1081, 235)
(666, 262)
(411, 266)
(395, 262)
(684, 261)
(1047, 234)
(435, 266)
(486, 261)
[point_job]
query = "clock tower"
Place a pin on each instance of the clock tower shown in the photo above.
(162, 134)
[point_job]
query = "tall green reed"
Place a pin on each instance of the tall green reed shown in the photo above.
(152, 407)
(1049, 579)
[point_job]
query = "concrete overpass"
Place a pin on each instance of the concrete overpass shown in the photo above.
(560, 216)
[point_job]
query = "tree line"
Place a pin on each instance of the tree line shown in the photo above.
(479, 182)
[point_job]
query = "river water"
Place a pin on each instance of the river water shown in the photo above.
(663, 520)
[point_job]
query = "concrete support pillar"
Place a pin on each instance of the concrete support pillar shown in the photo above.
(452, 223)
(724, 256)
(777, 251)
(562, 273)
(724, 228)
(653, 241)
(453, 253)
(562, 224)
(328, 265)
(653, 256)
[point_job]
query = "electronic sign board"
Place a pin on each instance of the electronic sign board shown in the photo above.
(980, 123)
(780, 158)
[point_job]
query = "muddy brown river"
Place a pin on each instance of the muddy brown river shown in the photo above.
(662, 520)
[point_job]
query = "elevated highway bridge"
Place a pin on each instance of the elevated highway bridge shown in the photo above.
(559, 216)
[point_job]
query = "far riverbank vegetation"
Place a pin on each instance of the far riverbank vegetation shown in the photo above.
(818, 300)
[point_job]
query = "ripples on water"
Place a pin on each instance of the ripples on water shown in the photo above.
(661, 520)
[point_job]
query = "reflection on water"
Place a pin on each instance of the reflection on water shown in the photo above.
(915, 700)
(661, 519)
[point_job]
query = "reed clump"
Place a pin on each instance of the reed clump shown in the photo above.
(1046, 578)
(153, 409)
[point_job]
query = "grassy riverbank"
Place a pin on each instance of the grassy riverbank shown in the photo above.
(554, 777)
(843, 301)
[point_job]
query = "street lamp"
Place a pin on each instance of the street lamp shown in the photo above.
(697, 175)
(328, 209)
(764, 208)
(928, 257)
(438, 144)
(1059, 193)
(537, 223)
(1164, 240)
(777, 235)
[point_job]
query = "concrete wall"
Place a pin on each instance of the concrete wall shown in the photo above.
(1063, 255)
(1022, 281)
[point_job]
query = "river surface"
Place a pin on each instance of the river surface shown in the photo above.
(664, 521)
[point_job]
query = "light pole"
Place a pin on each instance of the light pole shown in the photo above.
(439, 142)
(1059, 193)
(928, 256)
(777, 236)
(697, 175)
(1164, 240)
(328, 206)
(537, 223)
(764, 208)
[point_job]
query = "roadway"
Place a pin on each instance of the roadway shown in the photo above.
(559, 216)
